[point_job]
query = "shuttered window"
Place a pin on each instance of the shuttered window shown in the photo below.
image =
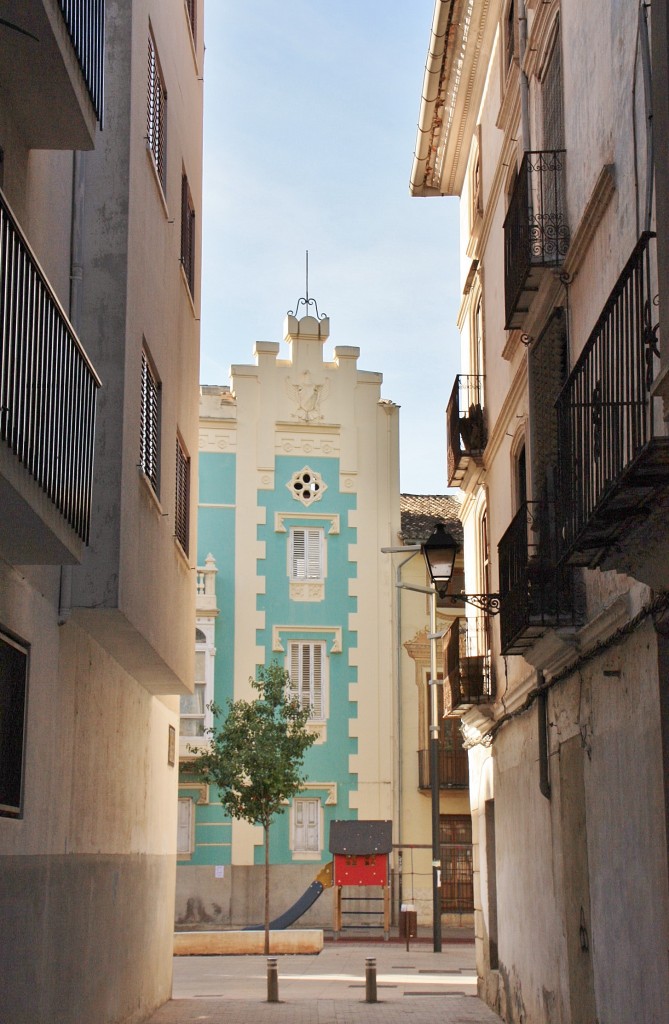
(191, 7)
(188, 235)
(149, 423)
(156, 115)
(306, 826)
(307, 675)
(182, 497)
(306, 561)
(185, 827)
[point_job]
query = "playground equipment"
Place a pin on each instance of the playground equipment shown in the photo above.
(361, 858)
(323, 880)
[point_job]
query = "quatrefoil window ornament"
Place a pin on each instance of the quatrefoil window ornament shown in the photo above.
(307, 486)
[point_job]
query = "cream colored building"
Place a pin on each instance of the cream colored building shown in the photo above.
(539, 116)
(299, 491)
(100, 203)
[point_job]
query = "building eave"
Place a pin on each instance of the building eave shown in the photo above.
(460, 45)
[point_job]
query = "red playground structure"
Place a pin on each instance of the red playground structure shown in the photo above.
(361, 852)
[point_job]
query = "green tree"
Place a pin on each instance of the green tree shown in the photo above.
(256, 755)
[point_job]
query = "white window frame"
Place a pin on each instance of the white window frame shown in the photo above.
(185, 827)
(301, 806)
(309, 690)
(207, 647)
(307, 565)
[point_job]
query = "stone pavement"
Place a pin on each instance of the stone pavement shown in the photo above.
(329, 988)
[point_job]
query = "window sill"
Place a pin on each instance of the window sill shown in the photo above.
(150, 492)
(299, 855)
(159, 184)
(187, 287)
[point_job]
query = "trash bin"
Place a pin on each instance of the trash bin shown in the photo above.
(408, 921)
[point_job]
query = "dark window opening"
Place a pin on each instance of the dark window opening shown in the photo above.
(182, 499)
(13, 692)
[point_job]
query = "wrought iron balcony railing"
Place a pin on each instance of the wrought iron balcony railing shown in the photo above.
(536, 593)
(467, 674)
(614, 451)
(85, 20)
(536, 235)
(466, 426)
(47, 383)
(453, 769)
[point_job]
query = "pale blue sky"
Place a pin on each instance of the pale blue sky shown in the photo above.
(311, 108)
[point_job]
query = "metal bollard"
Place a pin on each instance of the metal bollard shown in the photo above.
(272, 980)
(370, 979)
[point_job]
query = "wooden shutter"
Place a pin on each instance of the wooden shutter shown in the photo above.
(306, 555)
(314, 560)
(184, 826)
(299, 555)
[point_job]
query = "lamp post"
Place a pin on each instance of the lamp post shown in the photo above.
(434, 761)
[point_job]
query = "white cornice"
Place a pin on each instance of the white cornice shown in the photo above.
(455, 71)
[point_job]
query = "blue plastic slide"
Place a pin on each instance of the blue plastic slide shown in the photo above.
(306, 900)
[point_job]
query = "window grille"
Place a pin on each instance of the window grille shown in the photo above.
(307, 670)
(188, 235)
(457, 867)
(182, 496)
(149, 424)
(156, 115)
(307, 554)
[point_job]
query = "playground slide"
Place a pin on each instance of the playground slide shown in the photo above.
(323, 880)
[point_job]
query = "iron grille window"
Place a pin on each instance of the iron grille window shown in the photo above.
(188, 234)
(13, 687)
(149, 424)
(457, 867)
(191, 7)
(182, 496)
(307, 676)
(156, 115)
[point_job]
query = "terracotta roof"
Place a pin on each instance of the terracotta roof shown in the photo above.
(420, 513)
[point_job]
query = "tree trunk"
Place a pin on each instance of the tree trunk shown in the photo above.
(266, 828)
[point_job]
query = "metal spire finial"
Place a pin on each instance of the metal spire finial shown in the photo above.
(306, 301)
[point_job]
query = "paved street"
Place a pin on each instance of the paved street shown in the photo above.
(330, 987)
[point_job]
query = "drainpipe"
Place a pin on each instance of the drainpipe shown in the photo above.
(76, 274)
(524, 85)
(398, 650)
(542, 724)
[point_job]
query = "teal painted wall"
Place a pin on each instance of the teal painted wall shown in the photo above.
(326, 762)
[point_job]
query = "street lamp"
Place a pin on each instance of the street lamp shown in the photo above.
(439, 551)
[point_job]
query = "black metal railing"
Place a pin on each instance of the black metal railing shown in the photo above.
(535, 228)
(47, 384)
(467, 663)
(606, 415)
(465, 420)
(535, 591)
(85, 20)
(453, 768)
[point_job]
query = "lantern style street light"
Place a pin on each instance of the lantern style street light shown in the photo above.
(439, 551)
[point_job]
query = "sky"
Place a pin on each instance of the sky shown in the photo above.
(311, 112)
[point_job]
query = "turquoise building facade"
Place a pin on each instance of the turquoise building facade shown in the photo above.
(299, 491)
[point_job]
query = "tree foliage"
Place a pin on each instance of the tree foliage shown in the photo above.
(255, 757)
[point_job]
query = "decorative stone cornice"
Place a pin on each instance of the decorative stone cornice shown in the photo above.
(334, 631)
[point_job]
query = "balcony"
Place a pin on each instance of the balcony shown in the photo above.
(536, 235)
(51, 70)
(536, 593)
(453, 768)
(467, 675)
(466, 427)
(615, 454)
(47, 413)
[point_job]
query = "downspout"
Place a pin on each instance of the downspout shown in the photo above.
(76, 274)
(398, 655)
(524, 84)
(542, 725)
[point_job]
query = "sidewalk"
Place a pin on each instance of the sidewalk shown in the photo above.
(329, 988)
